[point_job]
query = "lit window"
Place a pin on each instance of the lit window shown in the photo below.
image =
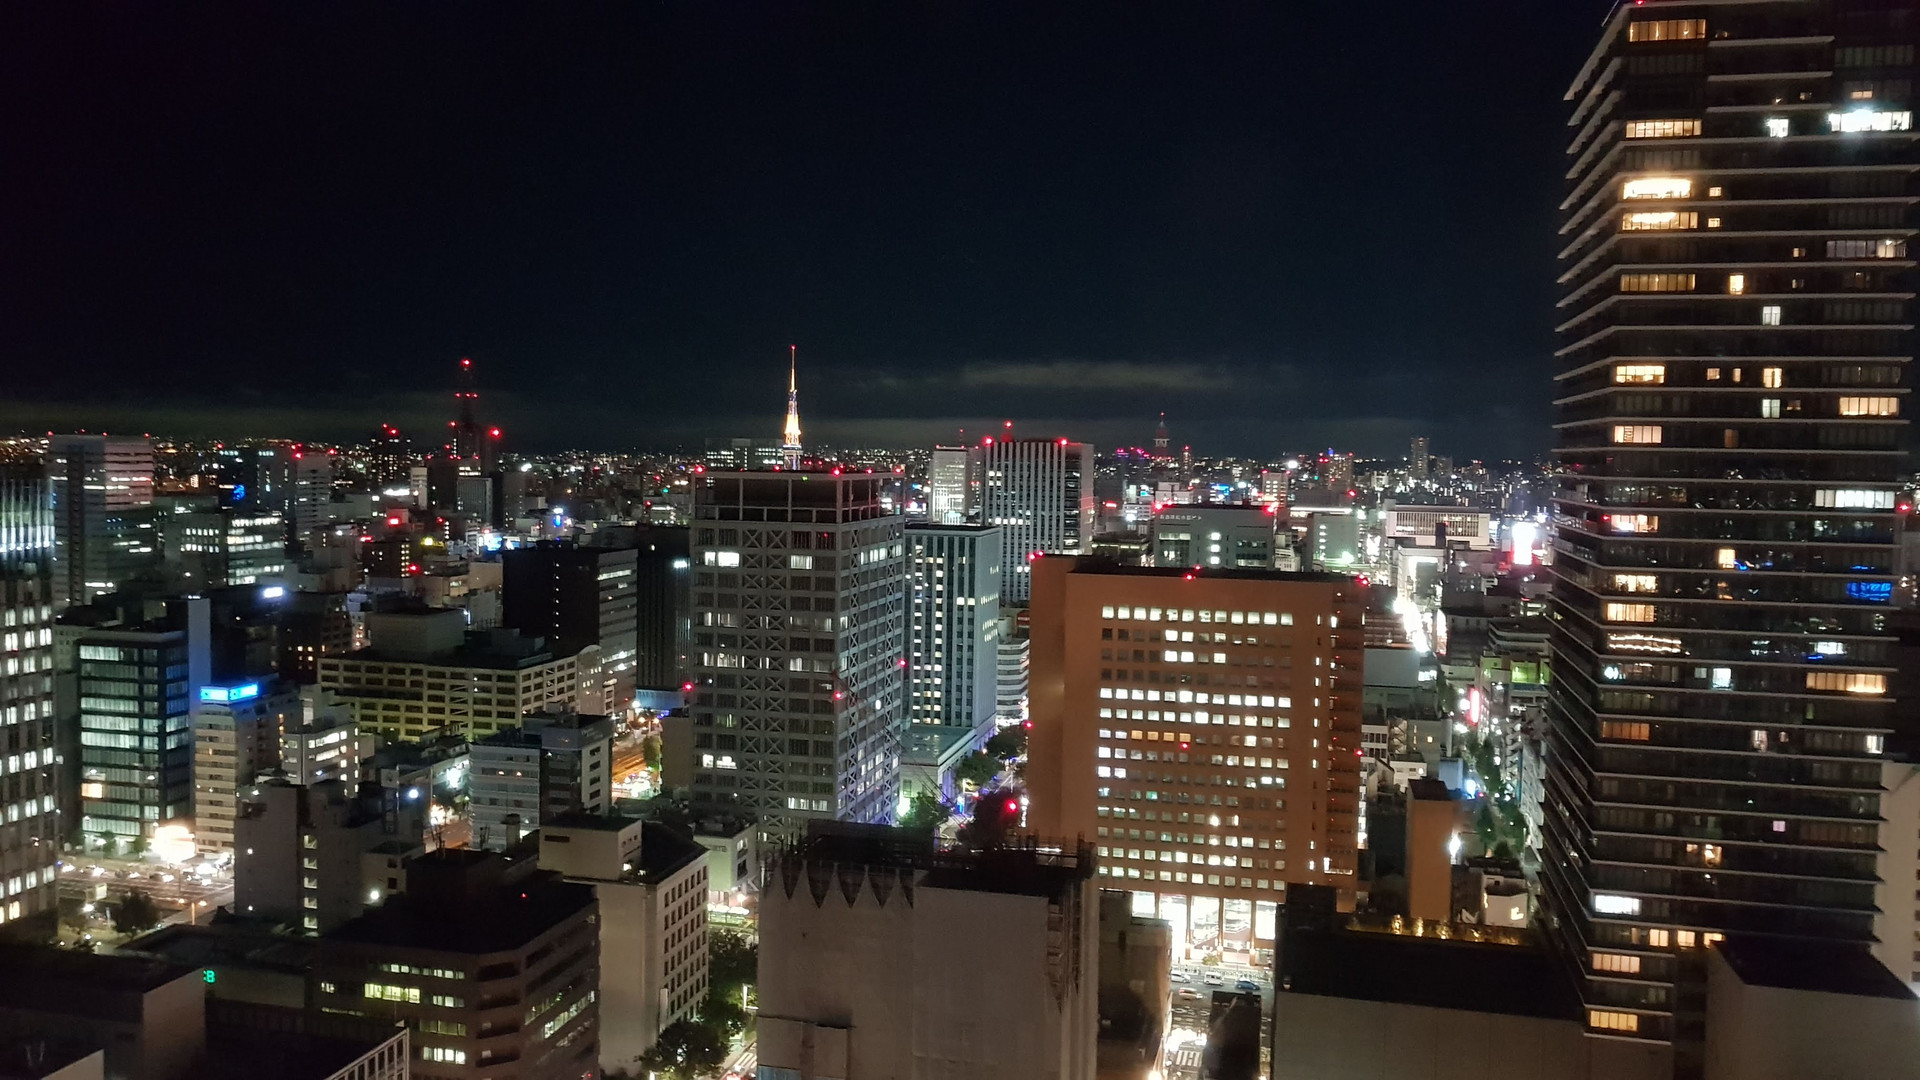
(1631, 730)
(1634, 523)
(1869, 406)
(1667, 30)
(1779, 127)
(1853, 499)
(1726, 560)
(1658, 187)
(1608, 1020)
(1849, 682)
(1866, 249)
(1684, 938)
(1656, 282)
(1640, 583)
(1772, 377)
(1736, 284)
(1625, 965)
(1612, 904)
(1659, 220)
(1662, 129)
(1858, 120)
(1655, 374)
(1770, 408)
(1713, 374)
(1636, 433)
(1657, 938)
(1618, 612)
(799, 562)
(1715, 192)
(1770, 315)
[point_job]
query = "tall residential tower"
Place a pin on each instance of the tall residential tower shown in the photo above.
(1736, 342)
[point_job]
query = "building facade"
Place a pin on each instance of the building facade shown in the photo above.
(1733, 378)
(301, 853)
(575, 597)
(953, 484)
(1214, 536)
(137, 686)
(1040, 493)
(29, 794)
(96, 481)
(1204, 728)
(412, 690)
(799, 619)
(953, 625)
(555, 763)
(236, 737)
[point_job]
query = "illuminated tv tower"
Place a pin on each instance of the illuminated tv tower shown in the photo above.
(472, 445)
(790, 439)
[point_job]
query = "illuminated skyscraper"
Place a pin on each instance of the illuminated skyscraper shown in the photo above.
(30, 845)
(953, 484)
(102, 485)
(1419, 459)
(1737, 339)
(1040, 493)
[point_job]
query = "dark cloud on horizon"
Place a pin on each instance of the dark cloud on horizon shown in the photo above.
(1283, 225)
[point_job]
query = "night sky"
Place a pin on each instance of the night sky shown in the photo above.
(1285, 224)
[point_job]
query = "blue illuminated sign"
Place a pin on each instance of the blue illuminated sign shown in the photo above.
(1875, 592)
(239, 493)
(227, 694)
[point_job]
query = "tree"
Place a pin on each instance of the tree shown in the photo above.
(733, 961)
(650, 752)
(995, 813)
(136, 914)
(687, 1050)
(138, 848)
(977, 769)
(1008, 744)
(925, 814)
(109, 843)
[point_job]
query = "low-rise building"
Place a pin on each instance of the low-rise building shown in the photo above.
(651, 884)
(300, 854)
(236, 731)
(554, 763)
(491, 962)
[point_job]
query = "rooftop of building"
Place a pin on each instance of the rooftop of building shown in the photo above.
(464, 901)
(71, 982)
(1429, 971)
(1090, 564)
(958, 529)
(1787, 964)
(1020, 868)
(284, 1056)
(235, 943)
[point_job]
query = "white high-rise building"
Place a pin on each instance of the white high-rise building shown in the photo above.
(1040, 493)
(29, 787)
(799, 604)
(953, 626)
(100, 484)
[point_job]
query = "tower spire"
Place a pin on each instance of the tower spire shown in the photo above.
(790, 438)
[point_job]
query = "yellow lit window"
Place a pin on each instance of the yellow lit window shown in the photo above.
(1685, 938)
(1715, 192)
(1659, 220)
(1618, 612)
(1713, 374)
(1636, 433)
(1633, 731)
(1625, 965)
(1711, 937)
(1634, 523)
(1662, 129)
(1713, 223)
(1667, 30)
(1636, 582)
(1851, 682)
(1726, 560)
(1736, 284)
(1658, 187)
(1656, 282)
(1608, 1020)
(1869, 406)
(1772, 377)
(1658, 938)
(1655, 374)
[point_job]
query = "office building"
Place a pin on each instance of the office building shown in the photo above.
(137, 685)
(555, 763)
(312, 625)
(662, 587)
(651, 886)
(1736, 349)
(390, 457)
(100, 485)
(321, 743)
(1013, 669)
(741, 455)
(301, 854)
(311, 506)
(1212, 773)
(575, 597)
(1040, 493)
(1333, 539)
(29, 794)
(423, 673)
(953, 623)
(1419, 459)
(1214, 536)
(953, 484)
(236, 738)
(491, 962)
(861, 934)
(799, 618)
(228, 545)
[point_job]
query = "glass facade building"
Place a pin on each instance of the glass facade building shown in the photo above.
(1736, 339)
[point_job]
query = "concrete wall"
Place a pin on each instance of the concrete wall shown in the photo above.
(1768, 1033)
(1898, 925)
